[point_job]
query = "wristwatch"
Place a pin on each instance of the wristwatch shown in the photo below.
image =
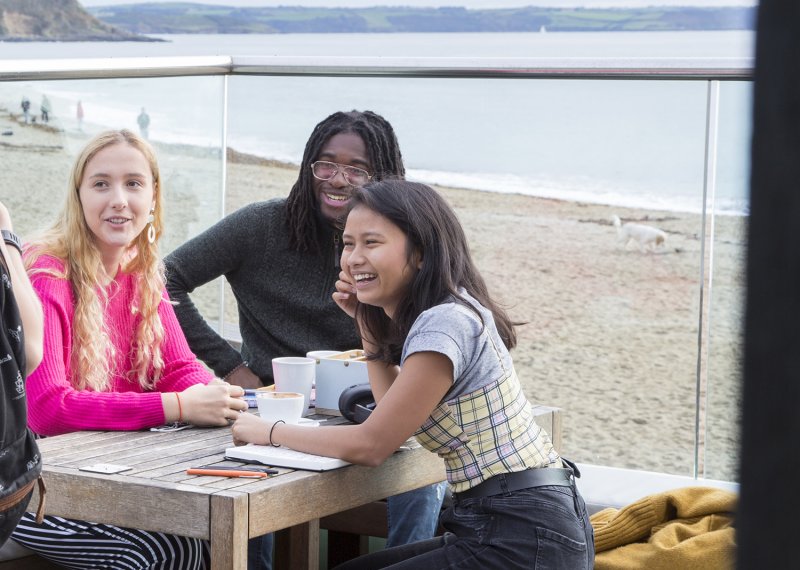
(12, 239)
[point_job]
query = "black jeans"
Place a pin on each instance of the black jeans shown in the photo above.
(540, 527)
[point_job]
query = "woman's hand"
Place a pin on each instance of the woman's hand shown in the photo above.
(249, 428)
(345, 297)
(212, 404)
(345, 294)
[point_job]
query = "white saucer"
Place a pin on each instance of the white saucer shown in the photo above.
(307, 422)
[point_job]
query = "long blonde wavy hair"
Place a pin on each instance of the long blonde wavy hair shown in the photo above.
(71, 240)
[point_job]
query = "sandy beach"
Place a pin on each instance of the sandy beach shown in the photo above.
(611, 334)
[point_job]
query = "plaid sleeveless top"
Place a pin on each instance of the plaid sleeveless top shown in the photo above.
(487, 432)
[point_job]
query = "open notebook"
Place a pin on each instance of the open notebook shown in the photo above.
(284, 457)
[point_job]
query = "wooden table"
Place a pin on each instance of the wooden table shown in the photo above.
(157, 494)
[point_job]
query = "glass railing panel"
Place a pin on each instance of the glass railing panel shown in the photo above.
(536, 170)
(185, 127)
(36, 158)
(727, 291)
(519, 160)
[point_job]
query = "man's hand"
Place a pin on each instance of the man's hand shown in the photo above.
(245, 378)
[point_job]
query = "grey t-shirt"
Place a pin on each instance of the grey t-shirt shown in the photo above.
(456, 331)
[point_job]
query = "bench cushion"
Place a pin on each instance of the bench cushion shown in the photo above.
(616, 487)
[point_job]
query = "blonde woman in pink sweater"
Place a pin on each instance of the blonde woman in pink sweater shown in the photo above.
(115, 357)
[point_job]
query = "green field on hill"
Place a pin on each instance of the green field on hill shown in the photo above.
(187, 18)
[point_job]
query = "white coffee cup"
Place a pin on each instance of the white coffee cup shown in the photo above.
(318, 354)
(285, 406)
(294, 374)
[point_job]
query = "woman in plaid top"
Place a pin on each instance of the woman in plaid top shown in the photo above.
(440, 369)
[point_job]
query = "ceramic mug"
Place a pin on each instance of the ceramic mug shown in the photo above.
(294, 374)
(318, 355)
(286, 406)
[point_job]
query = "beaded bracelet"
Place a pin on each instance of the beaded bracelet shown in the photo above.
(272, 429)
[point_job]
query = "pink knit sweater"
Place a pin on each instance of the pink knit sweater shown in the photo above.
(56, 407)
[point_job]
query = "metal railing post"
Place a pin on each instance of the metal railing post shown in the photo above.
(706, 272)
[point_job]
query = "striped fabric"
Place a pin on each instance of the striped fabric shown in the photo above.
(485, 433)
(82, 545)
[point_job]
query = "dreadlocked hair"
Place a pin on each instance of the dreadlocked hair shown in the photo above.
(384, 156)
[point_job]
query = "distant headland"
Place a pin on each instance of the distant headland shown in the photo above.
(57, 20)
(67, 20)
(187, 18)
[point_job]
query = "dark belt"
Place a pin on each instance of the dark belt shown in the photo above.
(507, 482)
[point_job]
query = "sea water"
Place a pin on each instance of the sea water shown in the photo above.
(631, 143)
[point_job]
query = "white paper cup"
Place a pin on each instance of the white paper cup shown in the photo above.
(294, 374)
(286, 406)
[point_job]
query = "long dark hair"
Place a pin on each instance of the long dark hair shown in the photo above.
(384, 157)
(435, 235)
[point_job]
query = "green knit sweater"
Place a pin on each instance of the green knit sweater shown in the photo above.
(283, 296)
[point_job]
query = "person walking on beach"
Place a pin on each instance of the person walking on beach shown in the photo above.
(144, 124)
(26, 109)
(45, 109)
(439, 366)
(281, 258)
(106, 366)
(79, 116)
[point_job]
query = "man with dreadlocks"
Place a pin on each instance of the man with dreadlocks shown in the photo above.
(281, 259)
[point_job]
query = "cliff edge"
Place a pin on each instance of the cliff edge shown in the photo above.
(55, 20)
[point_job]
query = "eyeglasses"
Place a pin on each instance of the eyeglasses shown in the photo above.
(324, 170)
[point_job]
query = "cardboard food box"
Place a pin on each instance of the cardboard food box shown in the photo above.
(336, 373)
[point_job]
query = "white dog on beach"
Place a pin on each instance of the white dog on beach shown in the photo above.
(647, 238)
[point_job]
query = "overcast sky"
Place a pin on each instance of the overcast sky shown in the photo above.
(434, 3)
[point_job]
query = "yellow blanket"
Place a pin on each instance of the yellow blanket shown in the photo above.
(684, 528)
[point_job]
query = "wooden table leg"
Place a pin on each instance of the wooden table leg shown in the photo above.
(298, 547)
(229, 531)
(344, 546)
